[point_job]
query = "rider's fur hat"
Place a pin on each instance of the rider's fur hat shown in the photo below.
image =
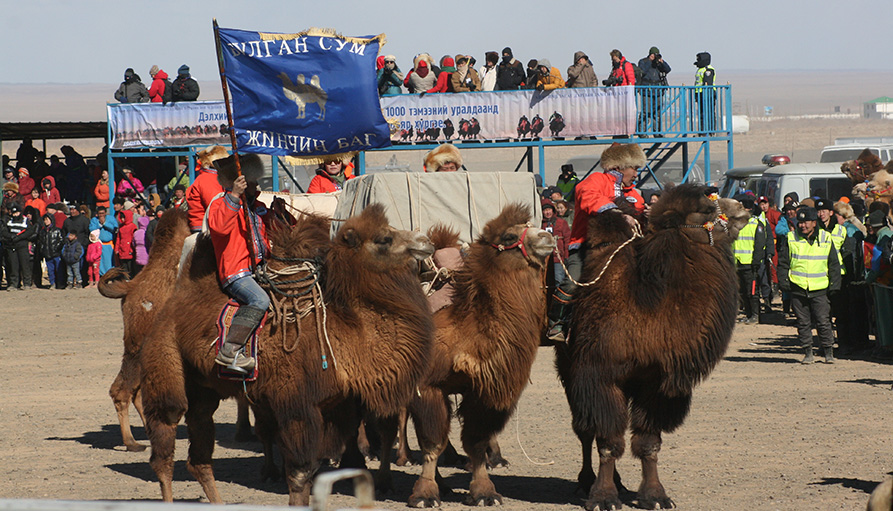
(442, 154)
(207, 155)
(621, 156)
(252, 169)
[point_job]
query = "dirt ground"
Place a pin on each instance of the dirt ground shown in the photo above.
(764, 432)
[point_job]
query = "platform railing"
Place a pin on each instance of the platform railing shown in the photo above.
(683, 110)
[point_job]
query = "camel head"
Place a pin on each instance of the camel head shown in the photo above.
(512, 230)
(383, 247)
(702, 215)
(880, 187)
(863, 167)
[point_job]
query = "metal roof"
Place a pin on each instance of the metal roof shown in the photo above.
(882, 99)
(52, 130)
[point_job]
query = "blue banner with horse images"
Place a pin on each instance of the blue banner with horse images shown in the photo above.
(306, 95)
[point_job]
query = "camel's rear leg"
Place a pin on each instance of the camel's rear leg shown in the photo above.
(300, 441)
(494, 454)
(243, 421)
(404, 455)
(479, 426)
(265, 426)
(203, 403)
(611, 404)
(122, 392)
(431, 417)
(387, 430)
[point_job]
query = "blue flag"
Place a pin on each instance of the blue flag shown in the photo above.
(310, 94)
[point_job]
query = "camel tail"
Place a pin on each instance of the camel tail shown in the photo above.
(114, 284)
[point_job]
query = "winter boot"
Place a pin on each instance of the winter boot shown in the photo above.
(808, 359)
(829, 355)
(232, 354)
(559, 312)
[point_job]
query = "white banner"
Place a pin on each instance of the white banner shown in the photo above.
(139, 125)
(526, 114)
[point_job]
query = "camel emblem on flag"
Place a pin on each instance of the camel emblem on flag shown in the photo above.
(304, 94)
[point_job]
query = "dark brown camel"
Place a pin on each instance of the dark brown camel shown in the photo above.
(647, 332)
(378, 326)
(484, 347)
(141, 299)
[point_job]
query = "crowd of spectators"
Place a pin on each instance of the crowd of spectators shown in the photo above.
(161, 90)
(505, 72)
(58, 228)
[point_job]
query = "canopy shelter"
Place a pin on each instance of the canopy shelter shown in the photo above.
(43, 131)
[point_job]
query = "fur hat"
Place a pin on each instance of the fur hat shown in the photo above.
(9, 186)
(621, 156)
(843, 209)
(252, 169)
(442, 154)
(423, 57)
(207, 155)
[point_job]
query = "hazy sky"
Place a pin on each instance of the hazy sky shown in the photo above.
(93, 41)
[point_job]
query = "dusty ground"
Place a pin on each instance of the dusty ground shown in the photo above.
(764, 432)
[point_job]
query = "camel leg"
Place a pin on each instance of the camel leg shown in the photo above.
(137, 401)
(387, 429)
(403, 452)
(200, 427)
(431, 417)
(363, 441)
(586, 477)
(612, 406)
(301, 439)
(243, 421)
(479, 425)
(651, 495)
(494, 454)
(265, 427)
(121, 395)
(604, 495)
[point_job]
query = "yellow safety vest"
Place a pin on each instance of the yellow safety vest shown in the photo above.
(838, 236)
(809, 262)
(744, 244)
(704, 76)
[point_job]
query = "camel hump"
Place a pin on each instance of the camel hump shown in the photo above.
(443, 236)
(114, 284)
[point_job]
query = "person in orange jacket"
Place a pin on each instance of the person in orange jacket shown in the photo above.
(595, 195)
(330, 177)
(205, 187)
(229, 231)
(549, 77)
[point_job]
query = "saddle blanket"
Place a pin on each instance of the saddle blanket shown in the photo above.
(223, 322)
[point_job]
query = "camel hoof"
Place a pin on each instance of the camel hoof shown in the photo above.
(404, 461)
(135, 448)
(656, 503)
(599, 502)
(497, 462)
(493, 499)
(425, 493)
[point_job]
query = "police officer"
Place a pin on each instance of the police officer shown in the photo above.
(749, 250)
(808, 267)
(705, 94)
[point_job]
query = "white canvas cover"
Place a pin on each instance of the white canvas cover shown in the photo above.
(416, 201)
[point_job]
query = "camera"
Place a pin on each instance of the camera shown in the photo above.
(611, 81)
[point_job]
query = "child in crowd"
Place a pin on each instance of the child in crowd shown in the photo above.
(49, 244)
(94, 254)
(71, 254)
(141, 251)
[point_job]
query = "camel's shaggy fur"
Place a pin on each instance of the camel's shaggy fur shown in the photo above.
(141, 299)
(644, 335)
(484, 347)
(377, 322)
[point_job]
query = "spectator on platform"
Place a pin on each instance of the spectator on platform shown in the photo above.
(76, 175)
(654, 73)
(40, 169)
(390, 78)
(130, 186)
(444, 82)
(36, 202)
(422, 75)
(581, 74)
(622, 72)
(26, 154)
(184, 88)
(443, 158)
(57, 169)
(7, 168)
(132, 89)
(465, 79)
(532, 74)
(101, 190)
(330, 177)
(510, 73)
(159, 78)
(567, 181)
(26, 184)
(179, 196)
(48, 191)
(549, 77)
(705, 93)
(489, 71)
(181, 178)
(107, 227)
(93, 257)
(49, 248)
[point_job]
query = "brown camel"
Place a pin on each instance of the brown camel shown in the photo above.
(485, 344)
(377, 335)
(141, 299)
(647, 332)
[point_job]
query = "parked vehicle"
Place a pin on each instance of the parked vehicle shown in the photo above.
(847, 152)
(742, 179)
(807, 179)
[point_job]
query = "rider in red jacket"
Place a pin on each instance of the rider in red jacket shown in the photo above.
(205, 186)
(595, 195)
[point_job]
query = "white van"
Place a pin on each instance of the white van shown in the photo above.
(807, 179)
(847, 152)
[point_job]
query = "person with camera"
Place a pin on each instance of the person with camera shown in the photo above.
(390, 79)
(581, 73)
(654, 74)
(465, 79)
(622, 72)
(548, 77)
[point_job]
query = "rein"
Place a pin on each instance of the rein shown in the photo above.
(709, 225)
(518, 244)
(637, 233)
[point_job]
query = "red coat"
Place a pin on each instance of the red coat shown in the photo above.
(50, 196)
(561, 232)
(199, 195)
(226, 221)
(322, 183)
(157, 88)
(26, 184)
(124, 238)
(625, 72)
(444, 83)
(596, 194)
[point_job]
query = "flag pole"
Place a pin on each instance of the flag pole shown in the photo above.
(249, 236)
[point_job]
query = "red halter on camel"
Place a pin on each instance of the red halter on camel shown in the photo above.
(518, 244)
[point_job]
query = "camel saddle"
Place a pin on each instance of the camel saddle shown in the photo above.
(438, 279)
(223, 322)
